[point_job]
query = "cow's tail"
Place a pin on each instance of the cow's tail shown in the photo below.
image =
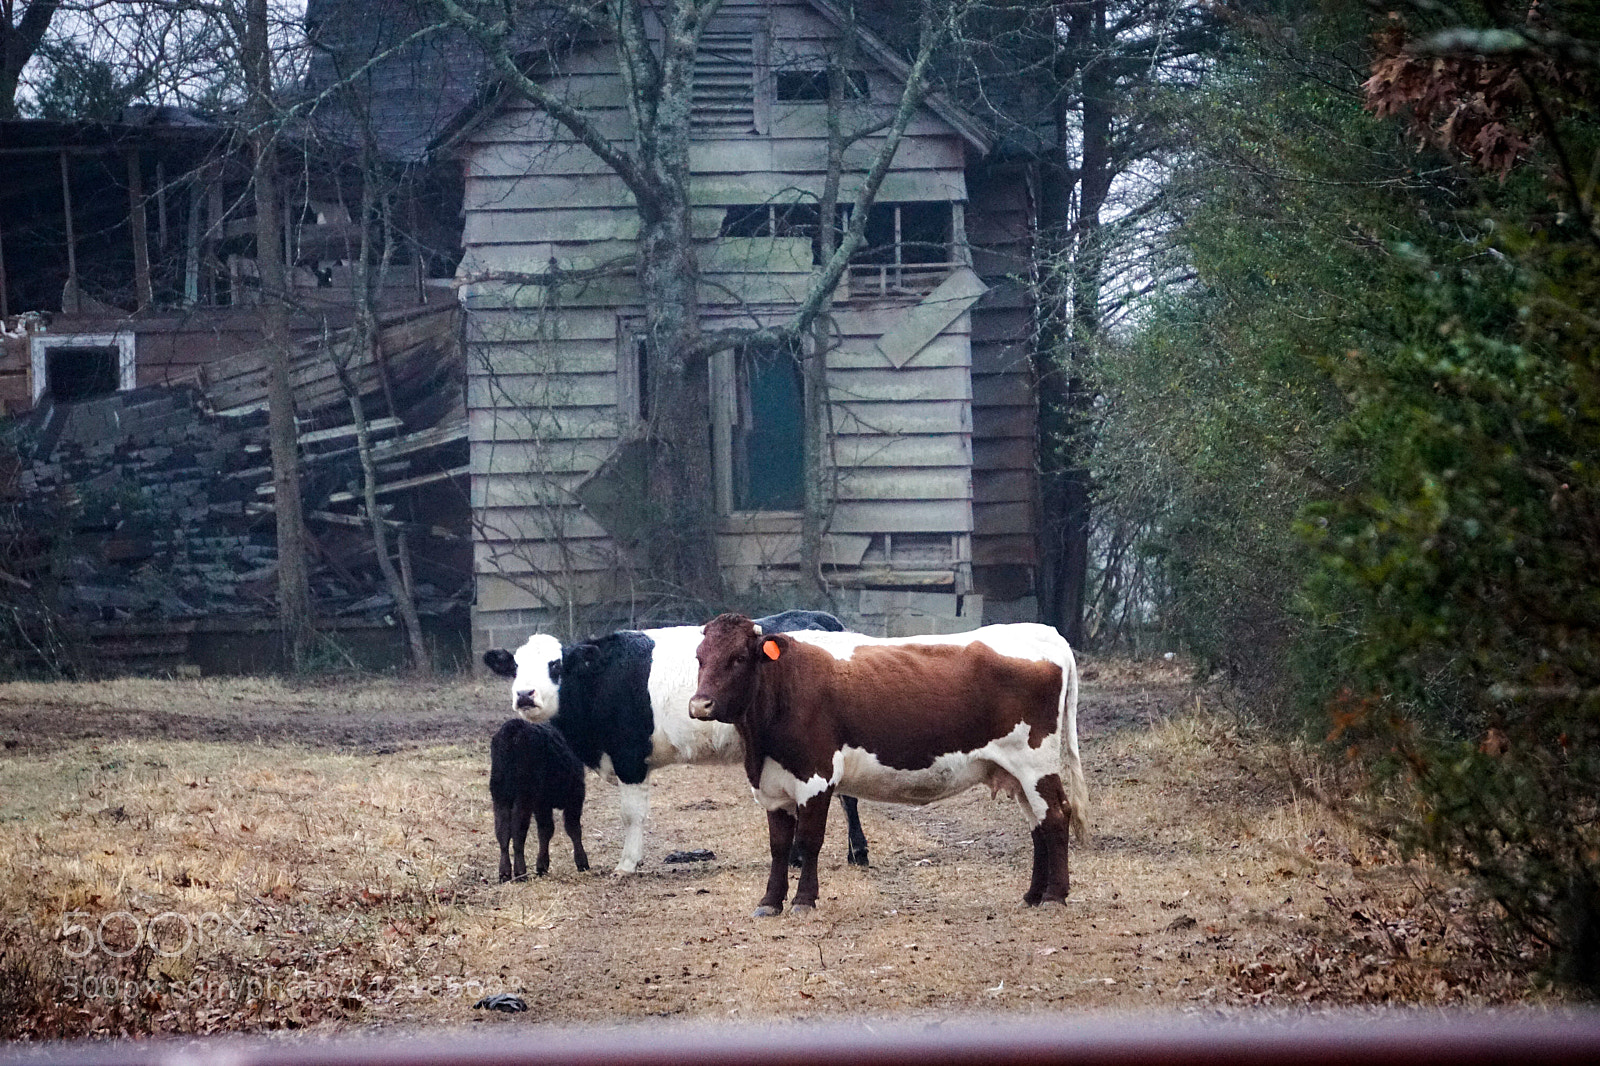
(1076, 787)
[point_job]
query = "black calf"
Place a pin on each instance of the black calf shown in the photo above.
(531, 771)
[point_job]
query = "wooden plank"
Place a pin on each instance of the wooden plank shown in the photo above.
(563, 227)
(519, 458)
(422, 440)
(992, 422)
(518, 524)
(1008, 549)
(1000, 518)
(908, 384)
(999, 325)
(557, 325)
(499, 593)
(936, 313)
(571, 556)
(863, 354)
(946, 416)
(1001, 359)
(374, 425)
(904, 516)
(1003, 453)
(1001, 390)
(550, 426)
(923, 483)
(878, 451)
(531, 192)
(788, 255)
(514, 358)
(1002, 486)
(525, 489)
(545, 391)
(783, 549)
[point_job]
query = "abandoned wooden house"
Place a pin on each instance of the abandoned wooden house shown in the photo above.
(931, 404)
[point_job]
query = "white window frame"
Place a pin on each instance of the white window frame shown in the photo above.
(124, 342)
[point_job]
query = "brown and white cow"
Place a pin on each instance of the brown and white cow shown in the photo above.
(908, 720)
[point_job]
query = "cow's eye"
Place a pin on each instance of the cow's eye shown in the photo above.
(555, 670)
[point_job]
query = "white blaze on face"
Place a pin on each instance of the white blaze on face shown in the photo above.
(535, 695)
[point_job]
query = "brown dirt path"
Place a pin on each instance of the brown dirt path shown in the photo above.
(344, 831)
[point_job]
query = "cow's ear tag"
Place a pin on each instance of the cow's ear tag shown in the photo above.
(770, 649)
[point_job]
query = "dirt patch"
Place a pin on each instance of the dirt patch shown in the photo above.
(201, 856)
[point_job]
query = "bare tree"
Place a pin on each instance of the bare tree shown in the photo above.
(22, 30)
(656, 47)
(1112, 60)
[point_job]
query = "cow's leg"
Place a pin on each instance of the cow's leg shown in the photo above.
(502, 836)
(852, 822)
(1054, 831)
(780, 837)
(635, 801)
(857, 854)
(521, 812)
(572, 819)
(811, 824)
(546, 822)
(1035, 891)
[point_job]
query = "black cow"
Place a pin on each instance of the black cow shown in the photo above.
(531, 771)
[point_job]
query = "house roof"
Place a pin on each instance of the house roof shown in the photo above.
(491, 94)
(411, 75)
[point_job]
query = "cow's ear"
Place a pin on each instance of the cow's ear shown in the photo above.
(773, 648)
(501, 662)
(580, 656)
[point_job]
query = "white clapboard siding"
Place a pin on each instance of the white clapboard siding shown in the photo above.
(543, 362)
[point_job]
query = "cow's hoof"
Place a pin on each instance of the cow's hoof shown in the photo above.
(766, 911)
(802, 908)
(583, 866)
(625, 867)
(858, 858)
(1031, 900)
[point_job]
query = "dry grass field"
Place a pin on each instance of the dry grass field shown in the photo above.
(243, 855)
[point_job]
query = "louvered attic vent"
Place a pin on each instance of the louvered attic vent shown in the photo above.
(724, 82)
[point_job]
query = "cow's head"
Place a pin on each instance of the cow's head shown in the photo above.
(731, 655)
(535, 672)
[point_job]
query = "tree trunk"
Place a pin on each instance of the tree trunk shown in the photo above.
(295, 619)
(682, 553)
(367, 343)
(1070, 328)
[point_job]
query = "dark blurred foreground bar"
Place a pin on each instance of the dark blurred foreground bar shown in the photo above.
(1355, 1039)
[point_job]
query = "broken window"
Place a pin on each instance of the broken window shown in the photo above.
(907, 248)
(782, 220)
(769, 431)
(73, 374)
(812, 86)
(73, 367)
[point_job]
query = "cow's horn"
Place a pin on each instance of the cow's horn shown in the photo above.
(757, 626)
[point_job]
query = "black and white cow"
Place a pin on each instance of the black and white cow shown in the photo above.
(622, 702)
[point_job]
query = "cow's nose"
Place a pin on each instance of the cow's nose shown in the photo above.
(525, 699)
(700, 707)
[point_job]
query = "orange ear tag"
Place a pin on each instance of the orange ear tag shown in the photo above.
(770, 650)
